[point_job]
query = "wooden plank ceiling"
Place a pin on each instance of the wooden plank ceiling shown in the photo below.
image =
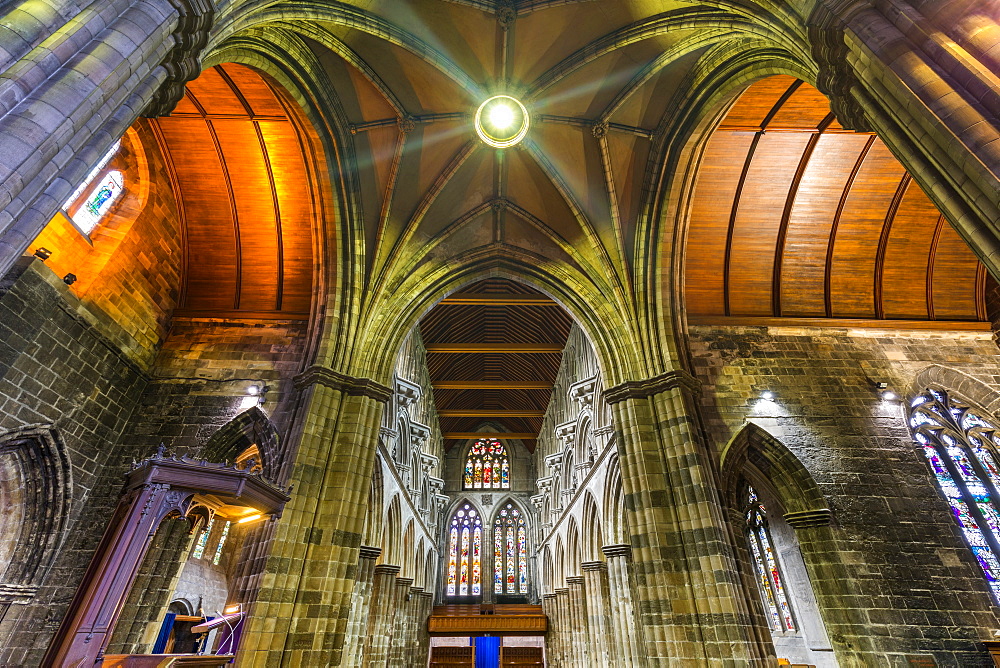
(795, 217)
(237, 167)
(493, 352)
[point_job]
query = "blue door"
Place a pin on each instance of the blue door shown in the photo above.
(487, 652)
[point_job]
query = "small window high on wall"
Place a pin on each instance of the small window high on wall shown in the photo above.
(96, 195)
(765, 562)
(960, 445)
(487, 466)
(465, 547)
(510, 546)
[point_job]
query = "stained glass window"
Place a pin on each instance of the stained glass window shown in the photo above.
(510, 565)
(465, 549)
(199, 547)
(960, 448)
(222, 543)
(769, 580)
(100, 197)
(487, 466)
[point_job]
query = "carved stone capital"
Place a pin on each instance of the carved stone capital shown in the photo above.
(406, 393)
(554, 462)
(574, 580)
(355, 387)
(386, 569)
(619, 550)
(561, 591)
(183, 63)
(836, 78)
(583, 392)
(590, 566)
(369, 552)
(566, 432)
(650, 387)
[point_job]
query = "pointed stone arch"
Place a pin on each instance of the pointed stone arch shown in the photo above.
(34, 460)
(615, 518)
(250, 428)
(794, 485)
(593, 534)
(392, 534)
(968, 387)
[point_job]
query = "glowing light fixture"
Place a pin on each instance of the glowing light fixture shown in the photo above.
(501, 121)
(249, 518)
(767, 396)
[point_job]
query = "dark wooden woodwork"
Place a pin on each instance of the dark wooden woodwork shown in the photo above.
(489, 413)
(499, 435)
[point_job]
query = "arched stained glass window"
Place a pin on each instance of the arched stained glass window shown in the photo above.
(487, 466)
(510, 552)
(100, 197)
(222, 544)
(465, 547)
(769, 580)
(199, 547)
(961, 448)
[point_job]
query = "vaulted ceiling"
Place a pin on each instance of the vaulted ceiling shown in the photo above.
(235, 158)
(794, 217)
(493, 352)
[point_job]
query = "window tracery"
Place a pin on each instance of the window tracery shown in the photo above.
(769, 579)
(961, 448)
(510, 552)
(487, 466)
(87, 214)
(465, 543)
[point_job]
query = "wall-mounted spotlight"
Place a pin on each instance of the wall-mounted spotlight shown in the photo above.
(69, 279)
(42, 254)
(885, 392)
(767, 395)
(255, 396)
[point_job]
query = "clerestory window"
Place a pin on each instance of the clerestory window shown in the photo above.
(101, 189)
(960, 446)
(487, 466)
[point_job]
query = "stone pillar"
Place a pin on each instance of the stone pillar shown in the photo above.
(564, 630)
(360, 604)
(628, 647)
(399, 623)
(301, 613)
(376, 651)
(549, 608)
(578, 617)
(691, 611)
(422, 653)
(71, 86)
(595, 576)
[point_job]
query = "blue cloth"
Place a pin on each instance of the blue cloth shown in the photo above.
(487, 652)
(165, 629)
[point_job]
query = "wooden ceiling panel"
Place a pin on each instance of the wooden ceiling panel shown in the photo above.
(507, 322)
(719, 175)
(859, 231)
(819, 222)
(758, 220)
(247, 205)
(810, 221)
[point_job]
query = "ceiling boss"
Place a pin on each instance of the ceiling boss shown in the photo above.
(501, 121)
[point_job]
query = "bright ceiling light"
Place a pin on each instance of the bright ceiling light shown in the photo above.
(501, 121)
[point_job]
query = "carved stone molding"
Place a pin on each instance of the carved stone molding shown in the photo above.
(650, 387)
(406, 393)
(574, 580)
(836, 78)
(809, 518)
(418, 434)
(349, 385)
(428, 462)
(369, 552)
(538, 501)
(386, 569)
(554, 462)
(583, 392)
(566, 432)
(183, 63)
(544, 484)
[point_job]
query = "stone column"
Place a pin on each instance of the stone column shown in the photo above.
(628, 646)
(301, 613)
(360, 604)
(376, 650)
(578, 617)
(549, 608)
(564, 630)
(72, 83)
(423, 637)
(400, 620)
(691, 611)
(595, 577)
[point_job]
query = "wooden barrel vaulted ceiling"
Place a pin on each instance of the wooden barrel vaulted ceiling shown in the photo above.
(493, 352)
(236, 161)
(795, 217)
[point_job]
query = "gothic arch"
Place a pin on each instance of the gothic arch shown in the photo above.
(593, 536)
(406, 557)
(251, 427)
(573, 554)
(968, 387)
(392, 534)
(615, 518)
(33, 460)
(373, 515)
(793, 483)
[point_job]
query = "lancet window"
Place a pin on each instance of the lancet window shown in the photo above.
(487, 466)
(99, 198)
(199, 547)
(769, 579)
(465, 547)
(960, 446)
(510, 547)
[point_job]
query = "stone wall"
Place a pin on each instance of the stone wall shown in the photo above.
(895, 579)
